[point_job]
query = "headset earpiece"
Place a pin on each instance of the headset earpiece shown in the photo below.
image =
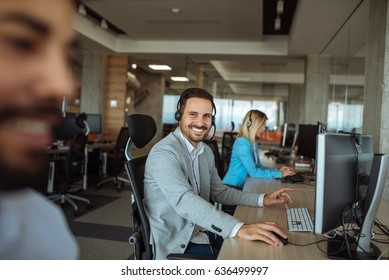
(249, 122)
(178, 115)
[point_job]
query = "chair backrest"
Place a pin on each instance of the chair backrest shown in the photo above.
(75, 159)
(227, 143)
(120, 145)
(142, 129)
(141, 237)
(215, 149)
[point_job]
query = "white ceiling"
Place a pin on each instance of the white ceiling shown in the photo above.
(225, 37)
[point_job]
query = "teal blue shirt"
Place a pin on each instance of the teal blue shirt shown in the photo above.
(243, 163)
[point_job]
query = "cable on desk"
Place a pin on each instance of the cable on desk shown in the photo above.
(307, 244)
(381, 226)
(383, 253)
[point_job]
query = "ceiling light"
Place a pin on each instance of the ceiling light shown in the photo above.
(134, 66)
(179, 79)
(175, 10)
(104, 24)
(82, 10)
(277, 23)
(159, 67)
(280, 7)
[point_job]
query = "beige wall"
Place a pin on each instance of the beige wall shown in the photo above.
(115, 90)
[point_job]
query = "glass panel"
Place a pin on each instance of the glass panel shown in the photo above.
(169, 109)
(347, 73)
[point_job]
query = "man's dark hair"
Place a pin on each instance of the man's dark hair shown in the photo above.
(191, 93)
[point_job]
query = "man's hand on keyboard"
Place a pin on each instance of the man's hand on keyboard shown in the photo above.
(279, 196)
(262, 231)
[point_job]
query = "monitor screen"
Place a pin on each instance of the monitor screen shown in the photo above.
(288, 135)
(306, 140)
(94, 123)
(345, 179)
(67, 128)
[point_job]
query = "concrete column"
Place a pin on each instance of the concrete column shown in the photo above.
(295, 106)
(200, 77)
(148, 100)
(317, 80)
(93, 82)
(376, 100)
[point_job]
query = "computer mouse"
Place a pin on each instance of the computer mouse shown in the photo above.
(286, 179)
(282, 239)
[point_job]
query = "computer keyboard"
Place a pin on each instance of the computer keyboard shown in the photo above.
(299, 219)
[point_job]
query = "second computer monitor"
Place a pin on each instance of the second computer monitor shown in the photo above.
(306, 140)
(341, 161)
(288, 135)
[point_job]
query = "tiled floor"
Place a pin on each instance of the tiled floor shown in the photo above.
(103, 231)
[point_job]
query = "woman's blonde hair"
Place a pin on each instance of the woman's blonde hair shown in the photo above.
(253, 120)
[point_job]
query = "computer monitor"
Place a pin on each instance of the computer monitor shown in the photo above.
(67, 128)
(349, 185)
(288, 135)
(94, 123)
(306, 140)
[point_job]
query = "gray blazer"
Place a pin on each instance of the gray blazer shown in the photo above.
(172, 206)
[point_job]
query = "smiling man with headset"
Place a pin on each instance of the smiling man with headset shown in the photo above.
(180, 181)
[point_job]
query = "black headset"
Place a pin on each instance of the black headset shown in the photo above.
(178, 113)
(249, 122)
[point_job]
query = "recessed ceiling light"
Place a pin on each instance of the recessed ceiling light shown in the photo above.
(104, 24)
(175, 10)
(280, 7)
(277, 23)
(179, 79)
(159, 67)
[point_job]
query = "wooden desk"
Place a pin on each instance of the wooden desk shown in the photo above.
(304, 196)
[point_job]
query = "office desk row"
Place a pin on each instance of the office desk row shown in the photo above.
(104, 147)
(302, 245)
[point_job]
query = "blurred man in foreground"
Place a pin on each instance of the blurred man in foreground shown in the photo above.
(36, 39)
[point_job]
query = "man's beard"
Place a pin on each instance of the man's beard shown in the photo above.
(46, 108)
(15, 178)
(12, 177)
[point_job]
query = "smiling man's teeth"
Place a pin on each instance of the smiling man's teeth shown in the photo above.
(197, 129)
(31, 126)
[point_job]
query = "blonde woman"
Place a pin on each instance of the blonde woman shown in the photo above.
(245, 157)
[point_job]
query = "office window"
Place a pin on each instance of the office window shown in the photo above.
(169, 108)
(270, 108)
(227, 111)
(345, 117)
(223, 114)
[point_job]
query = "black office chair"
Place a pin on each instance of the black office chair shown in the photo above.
(215, 149)
(115, 163)
(70, 170)
(227, 143)
(142, 129)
